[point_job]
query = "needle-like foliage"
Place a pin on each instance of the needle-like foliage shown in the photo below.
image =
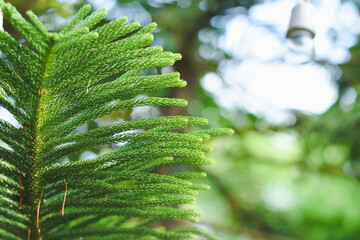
(52, 83)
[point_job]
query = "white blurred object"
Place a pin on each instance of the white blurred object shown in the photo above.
(300, 34)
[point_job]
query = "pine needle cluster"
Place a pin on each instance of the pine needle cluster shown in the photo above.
(52, 83)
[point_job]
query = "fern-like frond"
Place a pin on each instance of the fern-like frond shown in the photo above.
(52, 83)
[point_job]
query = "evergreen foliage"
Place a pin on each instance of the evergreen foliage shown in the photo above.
(52, 83)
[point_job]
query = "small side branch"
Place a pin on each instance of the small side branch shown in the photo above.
(63, 205)
(38, 214)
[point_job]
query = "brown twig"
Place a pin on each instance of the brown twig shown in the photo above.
(38, 214)
(63, 206)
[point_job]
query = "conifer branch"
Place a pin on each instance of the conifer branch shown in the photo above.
(55, 82)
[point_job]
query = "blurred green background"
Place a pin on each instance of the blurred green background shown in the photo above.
(292, 169)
